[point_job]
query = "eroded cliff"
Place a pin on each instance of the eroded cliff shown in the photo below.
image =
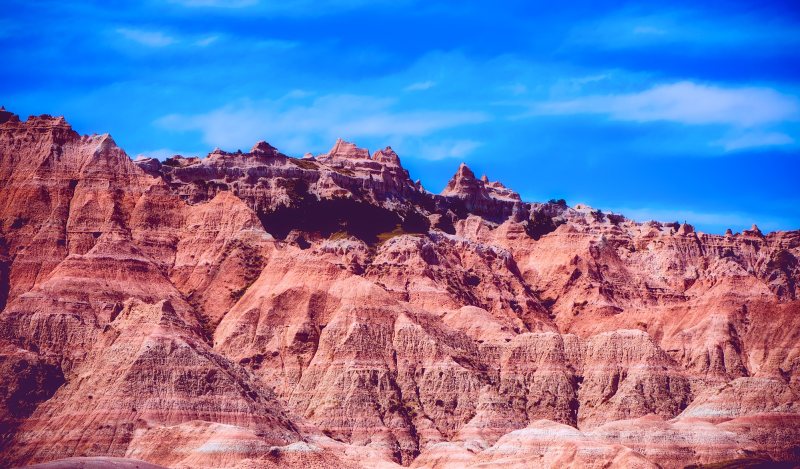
(258, 310)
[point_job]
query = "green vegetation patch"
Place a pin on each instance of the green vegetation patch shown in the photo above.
(305, 164)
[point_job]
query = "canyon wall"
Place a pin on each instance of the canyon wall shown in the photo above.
(257, 310)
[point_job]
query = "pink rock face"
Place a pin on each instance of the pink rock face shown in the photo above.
(256, 310)
(344, 151)
(489, 199)
(95, 463)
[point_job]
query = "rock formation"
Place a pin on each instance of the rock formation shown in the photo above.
(257, 310)
(491, 200)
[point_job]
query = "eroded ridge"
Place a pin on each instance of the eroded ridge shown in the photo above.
(258, 310)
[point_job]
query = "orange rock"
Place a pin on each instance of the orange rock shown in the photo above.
(256, 310)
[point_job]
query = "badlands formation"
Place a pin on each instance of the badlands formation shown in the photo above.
(249, 310)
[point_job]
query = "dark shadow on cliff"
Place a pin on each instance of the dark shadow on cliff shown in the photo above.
(328, 216)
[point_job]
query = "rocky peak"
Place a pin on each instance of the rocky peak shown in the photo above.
(489, 199)
(149, 165)
(387, 156)
(500, 191)
(753, 231)
(180, 161)
(346, 150)
(48, 121)
(6, 115)
(685, 229)
(465, 185)
(464, 172)
(264, 148)
(217, 152)
(42, 122)
(44, 129)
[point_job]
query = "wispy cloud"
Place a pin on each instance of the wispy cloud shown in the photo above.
(754, 139)
(298, 128)
(216, 3)
(580, 81)
(750, 113)
(629, 28)
(206, 41)
(161, 39)
(687, 103)
(420, 86)
(147, 38)
(447, 149)
(288, 8)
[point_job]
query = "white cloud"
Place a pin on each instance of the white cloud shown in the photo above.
(755, 139)
(447, 149)
(298, 128)
(420, 86)
(590, 79)
(287, 7)
(147, 38)
(158, 39)
(206, 41)
(687, 103)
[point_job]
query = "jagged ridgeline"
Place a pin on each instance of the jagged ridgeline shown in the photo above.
(257, 310)
(343, 192)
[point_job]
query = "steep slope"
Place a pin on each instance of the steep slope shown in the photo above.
(147, 370)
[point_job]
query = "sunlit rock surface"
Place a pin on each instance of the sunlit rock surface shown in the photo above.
(257, 310)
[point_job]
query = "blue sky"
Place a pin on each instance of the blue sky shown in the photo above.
(672, 110)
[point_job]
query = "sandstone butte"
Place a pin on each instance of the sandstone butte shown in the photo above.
(249, 310)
